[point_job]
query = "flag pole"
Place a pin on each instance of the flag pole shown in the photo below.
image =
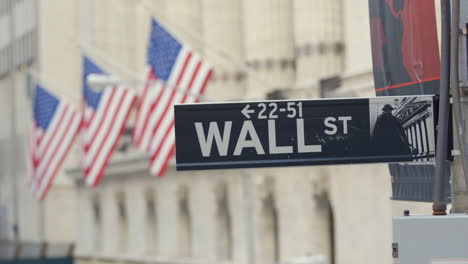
(97, 81)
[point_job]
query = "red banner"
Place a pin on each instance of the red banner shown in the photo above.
(405, 48)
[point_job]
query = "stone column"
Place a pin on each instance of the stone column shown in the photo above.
(137, 209)
(268, 45)
(333, 37)
(145, 11)
(100, 25)
(202, 202)
(266, 220)
(7, 179)
(319, 51)
(304, 213)
(167, 218)
(308, 23)
(113, 36)
(223, 32)
(363, 213)
(238, 198)
(86, 239)
(142, 28)
(357, 37)
(58, 64)
(109, 218)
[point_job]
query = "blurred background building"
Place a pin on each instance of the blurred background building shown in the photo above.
(260, 49)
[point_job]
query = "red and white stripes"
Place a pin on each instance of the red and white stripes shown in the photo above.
(102, 130)
(48, 149)
(154, 128)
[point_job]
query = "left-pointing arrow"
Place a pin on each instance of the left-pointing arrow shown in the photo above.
(246, 111)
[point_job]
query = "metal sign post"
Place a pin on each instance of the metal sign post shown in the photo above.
(304, 132)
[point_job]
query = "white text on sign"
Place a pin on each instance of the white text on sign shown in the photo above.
(248, 137)
(271, 110)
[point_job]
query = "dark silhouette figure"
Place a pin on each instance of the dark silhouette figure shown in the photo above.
(388, 137)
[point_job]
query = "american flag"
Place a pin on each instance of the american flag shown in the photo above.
(105, 114)
(176, 74)
(55, 127)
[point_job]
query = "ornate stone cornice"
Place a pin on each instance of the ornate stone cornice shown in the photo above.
(282, 64)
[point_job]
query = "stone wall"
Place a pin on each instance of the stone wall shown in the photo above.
(342, 213)
(262, 216)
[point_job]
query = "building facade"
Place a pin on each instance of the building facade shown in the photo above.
(260, 49)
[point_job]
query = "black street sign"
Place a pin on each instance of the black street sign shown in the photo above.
(304, 132)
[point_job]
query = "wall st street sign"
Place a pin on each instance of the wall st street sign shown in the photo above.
(304, 132)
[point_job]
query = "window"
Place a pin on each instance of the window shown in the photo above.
(224, 231)
(331, 218)
(122, 223)
(151, 222)
(325, 210)
(269, 232)
(184, 225)
(97, 223)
